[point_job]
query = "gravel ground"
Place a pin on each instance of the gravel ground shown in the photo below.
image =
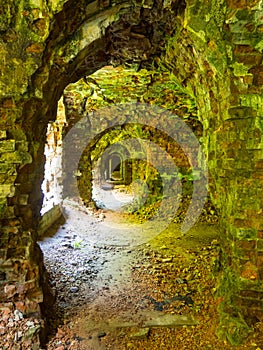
(116, 292)
(157, 295)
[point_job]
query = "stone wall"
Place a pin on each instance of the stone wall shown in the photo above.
(220, 50)
(34, 71)
(215, 52)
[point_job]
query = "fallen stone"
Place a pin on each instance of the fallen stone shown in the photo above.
(10, 290)
(60, 347)
(107, 187)
(30, 324)
(101, 335)
(31, 332)
(142, 333)
(18, 315)
(18, 335)
(167, 320)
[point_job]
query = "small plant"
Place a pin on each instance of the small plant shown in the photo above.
(77, 244)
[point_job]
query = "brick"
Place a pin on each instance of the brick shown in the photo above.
(8, 103)
(252, 294)
(258, 75)
(248, 303)
(3, 134)
(23, 199)
(7, 146)
(249, 271)
(242, 223)
(246, 244)
(10, 291)
(35, 48)
(259, 261)
(241, 112)
(250, 60)
(7, 190)
(260, 245)
(245, 49)
(237, 4)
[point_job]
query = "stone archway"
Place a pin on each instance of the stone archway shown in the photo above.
(214, 59)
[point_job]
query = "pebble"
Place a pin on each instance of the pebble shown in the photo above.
(18, 315)
(101, 335)
(60, 347)
(18, 335)
(17, 330)
(74, 289)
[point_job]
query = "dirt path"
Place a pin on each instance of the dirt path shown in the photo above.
(115, 294)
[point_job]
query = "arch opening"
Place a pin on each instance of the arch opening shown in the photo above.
(223, 75)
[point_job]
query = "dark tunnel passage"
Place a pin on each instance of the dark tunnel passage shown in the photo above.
(124, 80)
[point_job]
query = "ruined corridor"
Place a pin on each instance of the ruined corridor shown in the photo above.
(131, 173)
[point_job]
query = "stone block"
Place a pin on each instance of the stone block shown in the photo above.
(158, 319)
(237, 4)
(3, 135)
(15, 253)
(23, 199)
(16, 157)
(8, 169)
(245, 233)
(252, 294)
(49, 218)
(247, 303)
(7, 190)
(245, 49)
(257, 72)
(249, 271)
(10, 290)
(7, 179)
(7, 146)
(260, 245)
(250, 60)
(240, 113)
(2, 257)
(6, 307)
(22, 146)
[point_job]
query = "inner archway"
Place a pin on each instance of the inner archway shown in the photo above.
(79, 242)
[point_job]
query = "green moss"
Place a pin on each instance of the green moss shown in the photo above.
(218, 11)
(246, 233)
(240, 69)
(259, 45)
(229, 281)
(245, 15)
(120, 85)
(233, 329)
(252, 100)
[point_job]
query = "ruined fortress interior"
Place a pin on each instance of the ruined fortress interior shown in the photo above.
(102, 72)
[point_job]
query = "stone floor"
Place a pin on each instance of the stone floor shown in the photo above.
(114, 292)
